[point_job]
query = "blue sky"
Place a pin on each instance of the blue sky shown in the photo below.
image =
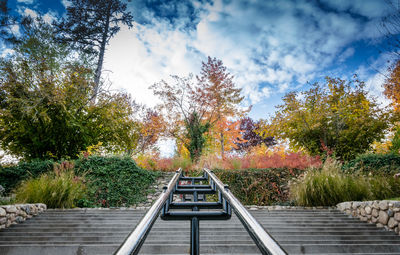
(271, 47)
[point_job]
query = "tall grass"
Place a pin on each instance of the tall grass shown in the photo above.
(59, 189)
(329, 186)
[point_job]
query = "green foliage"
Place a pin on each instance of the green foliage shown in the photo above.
(259, 186)
(46, 107)
(11, 176)
(56, 190)
(337, 118)
(395, 148)
(113, 181)
(374, 163)
(195, 135)
(329, 186)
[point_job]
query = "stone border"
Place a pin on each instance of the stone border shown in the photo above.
(13, 214)
(384, 213)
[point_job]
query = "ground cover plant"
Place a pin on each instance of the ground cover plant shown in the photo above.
(259, 186)
(113, 181)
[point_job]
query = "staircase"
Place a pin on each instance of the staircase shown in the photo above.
(102, 231)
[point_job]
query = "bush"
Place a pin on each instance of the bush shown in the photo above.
(329, 186)
(57, 190)
(113, 181)
(11, 176)
(259, 186)
(375, 164)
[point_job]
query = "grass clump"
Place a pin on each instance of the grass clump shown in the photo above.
(57, 190)
(329, 186)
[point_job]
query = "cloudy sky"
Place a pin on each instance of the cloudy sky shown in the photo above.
(271, 47)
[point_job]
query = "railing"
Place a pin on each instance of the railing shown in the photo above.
(226, 201)
(136, 238)
(262, 239)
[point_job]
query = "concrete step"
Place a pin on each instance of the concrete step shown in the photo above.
(102, 231)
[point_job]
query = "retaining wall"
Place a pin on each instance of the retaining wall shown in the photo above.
(385, 213)
(13, 214)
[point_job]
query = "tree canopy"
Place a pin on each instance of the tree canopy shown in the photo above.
(335, 118)
(89, 26)
(45, 102)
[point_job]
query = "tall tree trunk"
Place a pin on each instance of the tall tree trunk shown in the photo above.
(101, 55)
(222, 144)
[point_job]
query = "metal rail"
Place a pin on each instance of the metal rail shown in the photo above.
(263, 240)
(136, 238)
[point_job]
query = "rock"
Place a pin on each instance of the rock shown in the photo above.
(356, 205)
(396, 229)
(383, 218)
(375, 212)
(396, 204)
(10, 208)
(3, 220)
(375, 205)
(344, 206)
(390, 213)
(368, 210)
(397, 216)
(363, 212)
(374, 220)
(392, 223)
(19, 219)
(383, 205)
(2, 212)
(379, 225)
(363, 218)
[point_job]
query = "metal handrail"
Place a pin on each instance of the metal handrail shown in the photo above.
(136, 238)
(262, 239)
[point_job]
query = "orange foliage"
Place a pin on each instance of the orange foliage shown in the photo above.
(392, 86)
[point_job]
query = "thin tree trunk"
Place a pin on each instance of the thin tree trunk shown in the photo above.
(101, 55)
(222, 145)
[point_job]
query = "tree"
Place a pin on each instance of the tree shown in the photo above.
(222, 97)
(335, 118)
(8, 21)
(195, 135)
(213, 97)
(151, 127)
(392, 86)
(89, 26)
(250, 136)
(45, 109)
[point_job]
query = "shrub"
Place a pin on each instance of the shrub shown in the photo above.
(329, 186)
(259, 186)
(11, 176)
(375, 164)
(57, 190)
(113, 181)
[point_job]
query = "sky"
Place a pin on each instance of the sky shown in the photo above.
(270, 47)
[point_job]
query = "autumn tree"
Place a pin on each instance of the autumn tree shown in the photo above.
(89, 26)
(222, 96)
(45, 109)
(250, 136)
(211, 98)
(337, 117)
(151, 126)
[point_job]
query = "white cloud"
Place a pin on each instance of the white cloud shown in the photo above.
(25, 1)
